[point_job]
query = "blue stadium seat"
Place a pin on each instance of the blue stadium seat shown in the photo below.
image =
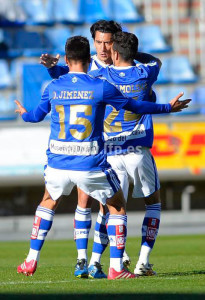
(92, 11)
(56, 39)
(4, 74)
(85, 31)
(7, 107)
(151, 39)
(165, 94)
(163, 77)
(123, 11)
(180, 70)
(11, 14)
(64, 11)
(198, 96)
(35, 12)
(26, 43)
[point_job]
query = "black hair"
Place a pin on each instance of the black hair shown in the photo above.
(78, 48)
(126, 44)
(105, 26)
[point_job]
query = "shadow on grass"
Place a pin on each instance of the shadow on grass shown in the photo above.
(188, 273)
(106, 296)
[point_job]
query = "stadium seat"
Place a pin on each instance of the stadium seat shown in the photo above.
(85, 31)
(11, 14)
(163, 77)
(56, 39)
(35, 12)
(4, 74)
(165, 94)
(180, 70)
(91, 11)
(27, 43)
(64, 11)
(7, 107)
(123, 11)
(151, 39)
(198, 96)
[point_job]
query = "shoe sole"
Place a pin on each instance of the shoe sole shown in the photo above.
(82, 276)
(92, 277)
(25, 273)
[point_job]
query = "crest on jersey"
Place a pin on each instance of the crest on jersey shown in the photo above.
(122, 74)
(74, 79)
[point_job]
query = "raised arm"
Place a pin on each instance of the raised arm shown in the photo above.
(146, 58)
(50, 62)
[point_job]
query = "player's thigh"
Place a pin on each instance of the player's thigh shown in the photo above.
(58, 182)
(84, 200)
(117, 164)
(100, 185)
(142, 169)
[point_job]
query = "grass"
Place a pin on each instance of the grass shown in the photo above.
(178, 260)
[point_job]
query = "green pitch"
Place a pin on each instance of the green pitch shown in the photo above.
(178, 260)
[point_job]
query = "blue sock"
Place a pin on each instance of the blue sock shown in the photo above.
(150, 229)
(42, 224)
(117, 232)
(100, 238)
(82, 225)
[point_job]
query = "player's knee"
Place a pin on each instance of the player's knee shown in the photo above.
(153, 199)
(117, 203)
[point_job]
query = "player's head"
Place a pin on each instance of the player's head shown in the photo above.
(77, 49)
(102, 32)
(125, 47)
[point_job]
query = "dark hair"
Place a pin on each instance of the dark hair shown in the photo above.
(105, 26)
(78, 48)
(126, 44)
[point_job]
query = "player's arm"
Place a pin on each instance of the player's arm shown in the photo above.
(146, 58)
(38, 113)
(50, 62)
(112, 96)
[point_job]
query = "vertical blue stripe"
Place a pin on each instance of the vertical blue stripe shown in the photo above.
(110, 181)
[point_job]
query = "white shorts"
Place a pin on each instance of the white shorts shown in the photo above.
(98, 184)
(140, 168)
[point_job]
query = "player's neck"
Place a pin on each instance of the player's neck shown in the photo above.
(123, 63)
(78, 68)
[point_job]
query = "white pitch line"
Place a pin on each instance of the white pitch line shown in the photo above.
(38, 282)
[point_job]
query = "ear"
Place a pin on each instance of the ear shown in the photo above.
(116, 55)
(66, 60)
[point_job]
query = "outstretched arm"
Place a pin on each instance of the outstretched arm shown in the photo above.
(50, 62)
(37, 114)
(115, 98)
(144, 107)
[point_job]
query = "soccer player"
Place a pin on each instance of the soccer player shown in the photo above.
(76, 154)
(101, 32)
(129, 136)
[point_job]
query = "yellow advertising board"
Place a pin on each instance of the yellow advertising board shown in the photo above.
(179, 146)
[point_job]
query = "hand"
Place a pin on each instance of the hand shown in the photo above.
(48, 60)
(179, 105)
(20, 109)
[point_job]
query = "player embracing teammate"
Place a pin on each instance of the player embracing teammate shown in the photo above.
(75, 122)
